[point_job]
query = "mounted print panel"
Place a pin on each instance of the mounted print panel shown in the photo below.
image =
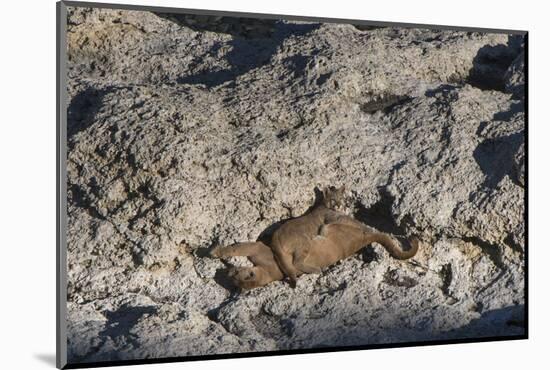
(243, 185)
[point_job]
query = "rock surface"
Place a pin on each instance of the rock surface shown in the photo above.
(183, 135)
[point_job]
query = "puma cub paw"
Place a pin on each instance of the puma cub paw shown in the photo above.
(216, 252)
(292, 282)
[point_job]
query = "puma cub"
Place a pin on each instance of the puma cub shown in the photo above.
(309, 243)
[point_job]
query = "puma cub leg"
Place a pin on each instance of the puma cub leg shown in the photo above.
(238, 250)
(264, 271)
(286, 264)
(301, 262)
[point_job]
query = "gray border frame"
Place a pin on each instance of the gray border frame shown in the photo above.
(61, 175)
(61, 187)
(163, 9)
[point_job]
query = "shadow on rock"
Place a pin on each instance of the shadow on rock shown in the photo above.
(247, 54)
(83, 108)
(491, 63)
(379, 215)
(221, 277)
(340, 330)
(444, 89)
(507, 115)
(495, 157)
(120, 322)
(236, 26)
(495, 323)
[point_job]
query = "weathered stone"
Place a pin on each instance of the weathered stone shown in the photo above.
(515, 77)
(185, 136)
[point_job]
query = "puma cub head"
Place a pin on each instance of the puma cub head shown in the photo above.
(333, 198)
(248, 277)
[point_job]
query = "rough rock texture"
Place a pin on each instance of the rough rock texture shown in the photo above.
(183, 135)
(515, 77)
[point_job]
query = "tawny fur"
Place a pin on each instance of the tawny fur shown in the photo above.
(265, 268)
(336, 242)
(307, 244)
(292, 239)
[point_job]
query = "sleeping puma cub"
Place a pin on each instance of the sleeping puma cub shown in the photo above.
(336, 242)
(265, 268)
(308, 243)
